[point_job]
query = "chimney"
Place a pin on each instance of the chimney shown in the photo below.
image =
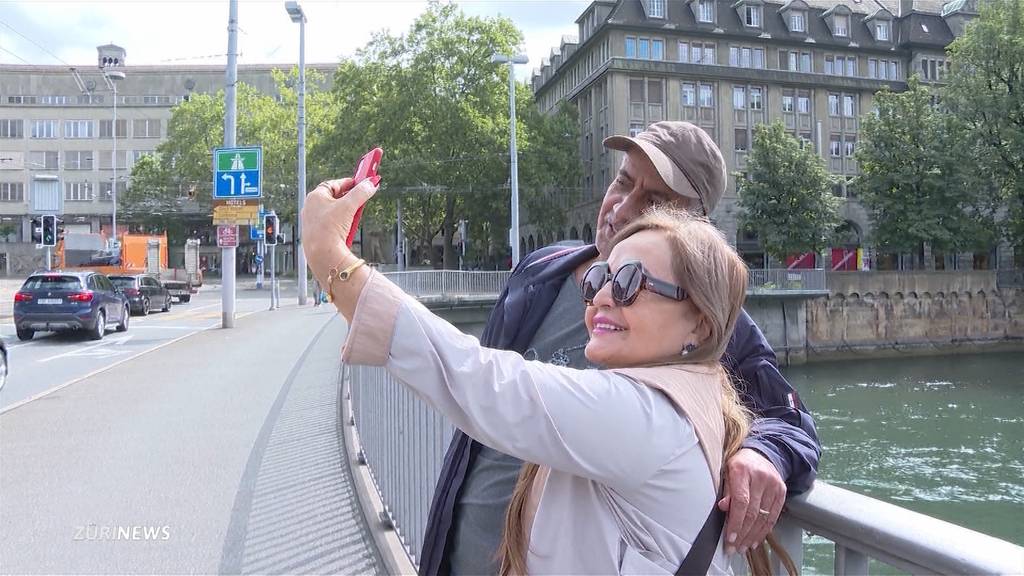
(906, 7)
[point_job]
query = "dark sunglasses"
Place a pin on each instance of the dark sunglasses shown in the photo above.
(627, 282)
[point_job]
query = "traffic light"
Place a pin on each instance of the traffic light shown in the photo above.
(49, 230)
(37, 230)
(270, 229)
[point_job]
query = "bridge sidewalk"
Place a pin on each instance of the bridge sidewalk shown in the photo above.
(229, 439)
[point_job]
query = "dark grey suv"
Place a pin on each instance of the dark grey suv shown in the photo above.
(62, 301)
(144, 292)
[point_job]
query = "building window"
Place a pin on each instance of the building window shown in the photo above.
(791, 61)
(841, 23)
(684, 51)
(107, 159)
(12, 192)
(833, 105)
(851, 66)
(753, 16)
(894, 70)
(746, 57)
(759, 58)
(882, 31)
(146, 128)
(797, 21)
(78, 192)
(850, 145)
(702, 53)
(44, 128)
(78, 160)
(706, 11)
(79, 129)
(55, 100)
(756, 101)
(873, 68)
(657, 49)
(657, 8)
(40, 160)
(787, 104)
(107, 131)
(635, 128)
(805, 62)
(643, 48)
(739, 98)
(803, 104)
(707, 96)
(10, 129)
(848, 107)
(106, 190)
(740, 140)
(835, 146)
(630, 47)
(689, 94)
(830, 65)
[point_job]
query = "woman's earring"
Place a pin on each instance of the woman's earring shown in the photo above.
(688, 349)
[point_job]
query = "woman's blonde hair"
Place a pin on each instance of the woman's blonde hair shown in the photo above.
(715, 277)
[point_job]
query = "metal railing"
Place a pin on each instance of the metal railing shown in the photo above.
(450, 282)
(403, 443)
(465, 283)
(784, 280)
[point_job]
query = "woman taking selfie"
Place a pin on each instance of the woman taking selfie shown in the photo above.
(626, 462)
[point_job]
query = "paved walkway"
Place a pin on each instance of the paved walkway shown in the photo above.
(227, 443)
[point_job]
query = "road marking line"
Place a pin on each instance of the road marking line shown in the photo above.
(114, 365)
(95, 372)
(76, 350)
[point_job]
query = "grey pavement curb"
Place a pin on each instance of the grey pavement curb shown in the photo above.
(392, 551)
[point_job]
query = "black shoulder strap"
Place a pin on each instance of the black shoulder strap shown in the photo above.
(698, 559)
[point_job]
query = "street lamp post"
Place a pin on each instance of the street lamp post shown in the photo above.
(111, 63)
(512, 60)
(298, 16)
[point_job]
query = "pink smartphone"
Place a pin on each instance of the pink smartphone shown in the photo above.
(367, 168)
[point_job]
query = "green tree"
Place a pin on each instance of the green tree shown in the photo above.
(787, 195)
(986, 90)
(438, 107)
(917, 179)
(179, 176)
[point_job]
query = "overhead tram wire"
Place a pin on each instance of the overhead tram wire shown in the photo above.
(36, 44)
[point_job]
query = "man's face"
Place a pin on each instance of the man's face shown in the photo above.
(637, 187)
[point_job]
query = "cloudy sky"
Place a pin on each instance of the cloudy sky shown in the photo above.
(194, 31)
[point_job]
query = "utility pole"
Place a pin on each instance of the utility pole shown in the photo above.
(227, 291)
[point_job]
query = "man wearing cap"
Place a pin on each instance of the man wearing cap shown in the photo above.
(540, 315)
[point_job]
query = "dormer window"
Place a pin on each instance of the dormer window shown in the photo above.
(705, 11)
(797, 21)
(841, 25)
(656, 8)
(882, 31)
(752, 16)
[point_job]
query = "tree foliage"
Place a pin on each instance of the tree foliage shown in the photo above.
(986, 91)
(432, 99)
(788, 197)
(179, 177)
(918, 179)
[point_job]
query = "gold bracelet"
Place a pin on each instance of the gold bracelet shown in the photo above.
(342, 276)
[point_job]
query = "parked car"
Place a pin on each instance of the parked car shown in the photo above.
(144, 291)
(181, 290)
(64, 301)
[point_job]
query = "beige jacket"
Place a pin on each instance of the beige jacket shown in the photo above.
(631, 457)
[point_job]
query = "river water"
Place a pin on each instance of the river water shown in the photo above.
(943, 436)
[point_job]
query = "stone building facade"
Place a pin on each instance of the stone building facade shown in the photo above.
(728, 65)
(55, 132)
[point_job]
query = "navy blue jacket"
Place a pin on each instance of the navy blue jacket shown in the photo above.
(783, 430)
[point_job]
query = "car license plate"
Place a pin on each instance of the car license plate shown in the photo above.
(51, 301)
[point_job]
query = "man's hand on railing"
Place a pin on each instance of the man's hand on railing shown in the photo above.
(754, 496)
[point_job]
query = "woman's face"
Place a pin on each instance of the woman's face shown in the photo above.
(654, 328)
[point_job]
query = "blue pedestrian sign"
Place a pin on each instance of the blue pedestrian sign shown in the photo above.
(236, 173)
